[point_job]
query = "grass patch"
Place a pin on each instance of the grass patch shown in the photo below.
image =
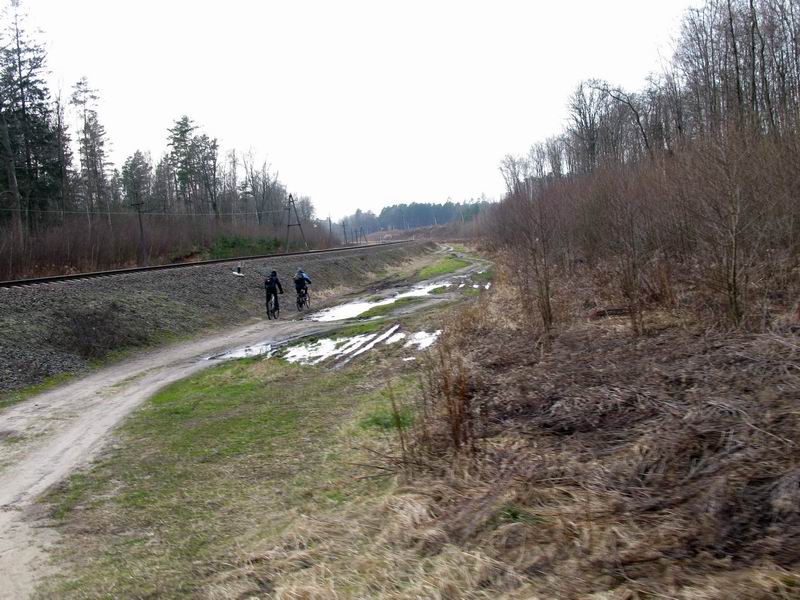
(384, 419)
(511, 513)
(483, 276)
(385, 309)
(212, 464)
(443, 267)
(359, 329)
(234, 246)
(471, 291)
(443, 289)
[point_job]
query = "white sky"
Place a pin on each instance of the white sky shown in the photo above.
(356, 104)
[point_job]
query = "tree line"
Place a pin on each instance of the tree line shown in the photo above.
(691, 179)
(57, 182)
(413, 215)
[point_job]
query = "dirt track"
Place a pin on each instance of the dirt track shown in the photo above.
(66, 427)
(60, 430)
(44, 329)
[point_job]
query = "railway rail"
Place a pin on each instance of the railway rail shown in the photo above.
(114, 272)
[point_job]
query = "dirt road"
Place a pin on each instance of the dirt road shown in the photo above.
(62, 429)
(45, 438)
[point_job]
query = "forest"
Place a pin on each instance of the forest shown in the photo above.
(64, 207)
(690, 182)
(415, 214)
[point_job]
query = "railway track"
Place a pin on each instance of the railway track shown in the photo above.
(112, 273)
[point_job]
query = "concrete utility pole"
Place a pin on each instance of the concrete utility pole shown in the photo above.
(290, 206)
(142, 249)
(344, 230)
(330, 231)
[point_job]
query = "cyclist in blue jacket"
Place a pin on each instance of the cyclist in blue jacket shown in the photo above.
(301, 283)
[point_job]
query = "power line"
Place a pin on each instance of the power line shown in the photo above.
(131, 213)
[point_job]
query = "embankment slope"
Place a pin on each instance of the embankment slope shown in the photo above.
(48, 330)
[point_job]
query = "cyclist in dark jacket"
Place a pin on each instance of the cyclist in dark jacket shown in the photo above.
(272, 285)
(301, 281)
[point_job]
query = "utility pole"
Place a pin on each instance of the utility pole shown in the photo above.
(344, 230)
(290, 206)
(330, 231)
(142, 249)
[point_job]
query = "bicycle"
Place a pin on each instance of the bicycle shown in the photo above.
(272, 312)
(303, 300)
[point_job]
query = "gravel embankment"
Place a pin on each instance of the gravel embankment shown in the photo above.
(51, 329)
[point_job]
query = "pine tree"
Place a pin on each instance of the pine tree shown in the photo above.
(137, 175)
(91, 146)
(36, 136)
(206, 154)
(181, 158)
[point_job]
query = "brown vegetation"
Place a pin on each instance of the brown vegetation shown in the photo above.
(75, 247)
(658, 466)
(691, 180)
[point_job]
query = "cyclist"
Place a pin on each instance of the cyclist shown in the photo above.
(301, 283)
(272, 285)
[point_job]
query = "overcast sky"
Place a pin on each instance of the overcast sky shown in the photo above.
(356, 104)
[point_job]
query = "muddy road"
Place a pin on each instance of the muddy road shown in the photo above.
(45, 438)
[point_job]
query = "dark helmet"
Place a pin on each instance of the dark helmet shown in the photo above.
(274, 273)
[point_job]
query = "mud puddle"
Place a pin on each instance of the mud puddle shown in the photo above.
(351, 310)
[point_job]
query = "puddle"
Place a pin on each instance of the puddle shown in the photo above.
(395, 338)
(376, 341)
(309, 354)
(423, 339)
(350, 310)
(321, 350)
(246, 352)
(316, 352)
(348, 348)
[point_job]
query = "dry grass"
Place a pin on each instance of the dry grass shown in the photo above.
(600, 465)
(609, 466)
(658, 465)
